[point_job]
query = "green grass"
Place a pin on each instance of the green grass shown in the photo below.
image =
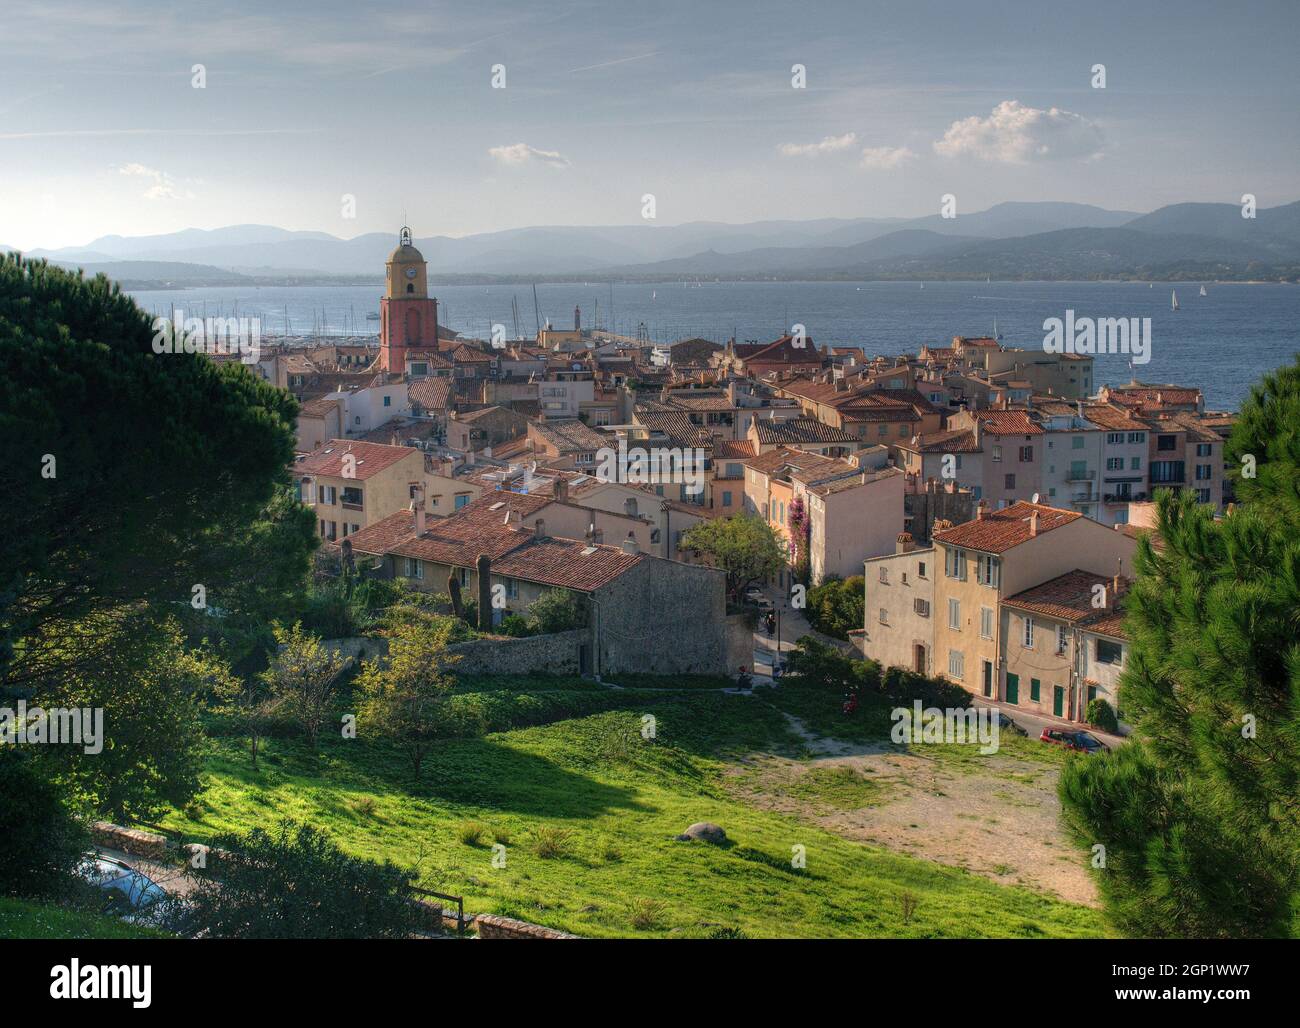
(31, 919)
(590, 809)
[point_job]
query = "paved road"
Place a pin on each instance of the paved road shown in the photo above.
(1034, 723)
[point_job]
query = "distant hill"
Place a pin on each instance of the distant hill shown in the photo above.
(1010, 240)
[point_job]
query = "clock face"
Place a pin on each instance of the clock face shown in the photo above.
(410, 273)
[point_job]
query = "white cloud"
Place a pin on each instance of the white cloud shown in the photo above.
(886, 156)
(522, 153)
(163, 188)
(1016, 134)
(831, 144)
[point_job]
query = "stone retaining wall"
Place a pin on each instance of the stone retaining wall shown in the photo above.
(555, 654)
(129, 840)
(490, 926)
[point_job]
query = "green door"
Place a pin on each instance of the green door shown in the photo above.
(1034, 689)
(1013, 688)
(1058, 700)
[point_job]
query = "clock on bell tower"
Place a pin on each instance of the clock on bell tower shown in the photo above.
(408, 317)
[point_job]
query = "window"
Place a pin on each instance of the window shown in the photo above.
(1114, 463)
(1202, 496)
(997, 454)
(1109, 652)
(986, 622)
(1035, 688)
(884, 575)
(329, 530)
(1204, 449)
(1010, 482)
(1166, 442)
(414, 568)
(954, 614)
(921, 607)
(920, 569)
(461, 500)
(955, 564)
(357, 420)
(1026, 454)
(352, 497)
(1076, 442)
(726, 499)
(1114, 438)
(1204, 472)
(512, 588)
(956, 664)
(1137, 437)
(1062, 638)
(884, 616)
(1135, 464)
(1029, 633)
(419, 369)
(988, 571)
(388, 401)
(1092, 693)
(328, 495)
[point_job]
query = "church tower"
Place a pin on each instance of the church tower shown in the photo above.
(407, 316)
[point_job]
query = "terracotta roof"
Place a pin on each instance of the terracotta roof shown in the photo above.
(430, 393)
(729, 449)
(1000, 530)
(676, 424)
(1068, 597)
(781, 351)
(430, 355)
(785, 457)
(320, 406)
(1113, 418)
(569, 435)
(800, 430)
(1007, 422)
(371, 458)
(958, 440)
(468, 355)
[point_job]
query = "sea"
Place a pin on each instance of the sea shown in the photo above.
(1222, 342)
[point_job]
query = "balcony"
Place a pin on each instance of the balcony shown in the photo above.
(1125, 497)
(1081, 476)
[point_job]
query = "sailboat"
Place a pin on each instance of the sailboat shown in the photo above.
(1173, 300)
(1203, 293)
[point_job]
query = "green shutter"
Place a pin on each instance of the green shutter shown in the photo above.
(1058, 700)
(1033, 689)
(1013, 688)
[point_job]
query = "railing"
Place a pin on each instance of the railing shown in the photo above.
(461, 922)
(1081, 476)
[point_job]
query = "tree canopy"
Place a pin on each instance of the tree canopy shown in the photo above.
(744, 546)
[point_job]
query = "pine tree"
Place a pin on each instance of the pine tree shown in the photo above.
(1199, 815)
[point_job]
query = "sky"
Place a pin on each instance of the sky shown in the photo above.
(103, 131)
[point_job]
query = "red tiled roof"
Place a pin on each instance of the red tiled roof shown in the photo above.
(958, 440)
(319, 407)
(1007, 422)
(729, 449)
(1000, 530)
(800, 430)
(430, 393)
(1068, 597)
(371, 458)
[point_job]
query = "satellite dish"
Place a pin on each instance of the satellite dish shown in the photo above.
(1035, 498)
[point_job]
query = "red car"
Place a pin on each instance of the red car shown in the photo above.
(1080, 742)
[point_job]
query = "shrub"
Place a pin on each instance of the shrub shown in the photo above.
(471, 832)
(42, 842)
(296, 884)
(557, 610)
(516, 626)
(646, 914)
(550, 842)
(1102, 714)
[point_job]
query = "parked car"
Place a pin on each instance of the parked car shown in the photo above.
(1080, 742)
(1006, 724)
(131, 894)
(756, 596)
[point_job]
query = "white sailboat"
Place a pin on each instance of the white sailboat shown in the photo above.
(1173, 300)
(1203, 293)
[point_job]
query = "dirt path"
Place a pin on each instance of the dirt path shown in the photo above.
(1000, 819)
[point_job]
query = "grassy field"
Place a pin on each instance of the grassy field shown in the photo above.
(587, 811)
(30, 919)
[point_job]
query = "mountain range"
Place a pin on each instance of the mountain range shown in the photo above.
(1008, 241)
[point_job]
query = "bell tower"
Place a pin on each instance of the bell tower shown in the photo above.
(408, 317)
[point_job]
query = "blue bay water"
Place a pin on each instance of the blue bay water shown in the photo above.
(1222, 342)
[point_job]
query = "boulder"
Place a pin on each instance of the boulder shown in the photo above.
(705, 831)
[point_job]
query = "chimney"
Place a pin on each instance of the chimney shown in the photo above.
(417, 506)
(597, 536)
(561, 490)
(539, 528)
(904, 543)
(512, 519)
(982, 508)
(1114, 589)
(630, 545)
(1033, 524)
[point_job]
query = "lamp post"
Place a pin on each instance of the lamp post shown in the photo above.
(664, 509)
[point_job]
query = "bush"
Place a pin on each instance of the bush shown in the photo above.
(550, 842)
(557, 610)
(646, 914)
(516, 626)
(296, 884)
(471, 832)
(41, 842)
(1102, 714)
(835, 607)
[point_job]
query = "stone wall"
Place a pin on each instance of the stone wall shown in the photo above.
(357, 647)
(662, 617)
(490, 926)
(129, 840)
(556, 654)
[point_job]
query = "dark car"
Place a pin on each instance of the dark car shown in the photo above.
(132, 895)
(1005, 724)
(1080, 742)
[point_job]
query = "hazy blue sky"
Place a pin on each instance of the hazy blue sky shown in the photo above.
(101, 131)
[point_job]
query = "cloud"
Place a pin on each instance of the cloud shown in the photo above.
(163, 187)
(1016, 134)
(522, 153)
(831, 144)
(886, 156)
